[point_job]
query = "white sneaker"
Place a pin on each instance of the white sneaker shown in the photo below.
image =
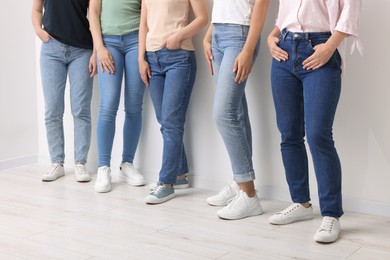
(131, 175)
(226, 194)
(56, 171)
(241, 206)
(294, 212)
(329, 230)
(103, 180)
(81, 174)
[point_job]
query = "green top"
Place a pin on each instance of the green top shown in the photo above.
(120, 17)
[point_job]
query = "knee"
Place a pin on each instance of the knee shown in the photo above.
(107, 112)
(320, 138)
(133, 113)
(222, 117)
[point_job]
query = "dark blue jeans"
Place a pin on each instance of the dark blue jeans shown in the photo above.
(306, 102)
(173, 77)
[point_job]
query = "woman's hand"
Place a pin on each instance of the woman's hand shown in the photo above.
(321, 55)
(92, 65)
(144, 71)
(208, 53)
(106, 61)
(173, 42)
(43, 35)
(243, 66)
(276, 52)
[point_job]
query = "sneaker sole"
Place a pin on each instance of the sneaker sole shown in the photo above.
(132, 183)
(222, 204)
(103, 190)
(84, 180)
(154, 200)
(50, 180)
(252, 214)
(290, 221)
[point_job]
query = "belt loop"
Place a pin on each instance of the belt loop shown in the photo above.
(284, 34)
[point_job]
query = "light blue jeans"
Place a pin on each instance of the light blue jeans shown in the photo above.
(173, 77)
(230, 105)
(57, 61)
(124, 50)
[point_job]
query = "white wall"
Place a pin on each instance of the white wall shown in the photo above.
(361, 128)
(18, 117)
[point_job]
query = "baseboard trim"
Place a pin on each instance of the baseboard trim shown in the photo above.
(283, 194)
(19, 161)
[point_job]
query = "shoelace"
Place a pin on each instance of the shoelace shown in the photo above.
(327, 224)
(289, 209)
(54, 168)
(236, 201)
(158, 188)
(226, 190)
(81, 169)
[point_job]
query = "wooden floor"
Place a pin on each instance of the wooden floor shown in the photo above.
(68, 220)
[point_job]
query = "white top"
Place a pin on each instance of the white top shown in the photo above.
(232, 11)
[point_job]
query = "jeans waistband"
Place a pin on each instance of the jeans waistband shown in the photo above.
(286, 34)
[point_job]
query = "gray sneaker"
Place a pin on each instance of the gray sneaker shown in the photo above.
(180, 184)
(160, 194)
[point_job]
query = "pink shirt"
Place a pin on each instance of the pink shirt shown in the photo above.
(322, 16)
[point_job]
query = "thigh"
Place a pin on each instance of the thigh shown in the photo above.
(287, 93)
(53, 74)
(134, 86)
(156, 84)
(228, 92)
(322, 89)
(79, 77)
(180, 70)
(110, 84)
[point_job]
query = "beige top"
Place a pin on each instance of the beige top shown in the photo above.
(165, 17)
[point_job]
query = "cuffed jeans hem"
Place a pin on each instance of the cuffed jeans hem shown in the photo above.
(57, 162)
(80, 162)
(246, 177)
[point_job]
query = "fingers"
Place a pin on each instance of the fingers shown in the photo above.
(107, 65)
(92, 69)
(279, 54)
(313, 62)
(210, 63)
(145, 76)
(209, 59)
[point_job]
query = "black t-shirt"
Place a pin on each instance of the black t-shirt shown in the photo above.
(66, 21)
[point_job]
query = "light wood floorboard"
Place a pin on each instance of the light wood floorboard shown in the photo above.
(68, 220)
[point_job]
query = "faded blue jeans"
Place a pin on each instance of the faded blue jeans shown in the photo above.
(230, 105)
(59, 60)
(305, 103)
(124, 50)
(173, 77)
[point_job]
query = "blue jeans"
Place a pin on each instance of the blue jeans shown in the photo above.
(124, 50)
(306, 101)
(173, 77)
(57, 61)
(230, 105)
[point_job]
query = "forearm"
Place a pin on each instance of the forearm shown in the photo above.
(256, 25)
(334, 41)
(275, 32)
(207, 37)
(201, 18)
(143, 30)
(94, 23)
(36, 15)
